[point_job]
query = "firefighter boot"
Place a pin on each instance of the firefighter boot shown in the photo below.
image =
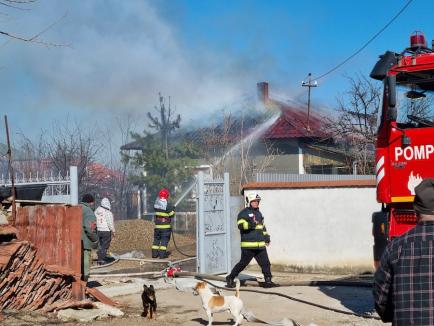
(230, 283)
(269, 283)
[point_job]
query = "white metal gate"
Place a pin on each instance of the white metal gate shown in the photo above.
(213, 231)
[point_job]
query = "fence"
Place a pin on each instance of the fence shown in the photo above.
(60, 189)
(55, 230)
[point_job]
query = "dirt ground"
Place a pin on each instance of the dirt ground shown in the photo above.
(138, 235)
(183, 308)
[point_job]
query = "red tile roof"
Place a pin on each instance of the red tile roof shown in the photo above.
(99, 172)
(292, 123)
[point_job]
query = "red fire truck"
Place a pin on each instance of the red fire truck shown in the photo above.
(404, 149)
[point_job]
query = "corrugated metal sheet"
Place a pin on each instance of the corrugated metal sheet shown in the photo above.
(55, 230)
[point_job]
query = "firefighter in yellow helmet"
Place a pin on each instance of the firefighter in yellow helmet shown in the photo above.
(254, 239)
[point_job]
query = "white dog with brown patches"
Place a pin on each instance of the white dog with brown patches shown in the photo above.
(217, 303)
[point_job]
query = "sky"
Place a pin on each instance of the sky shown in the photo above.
(115, 56)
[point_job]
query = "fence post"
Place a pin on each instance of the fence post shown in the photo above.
(73, 189)
(227, 216)
(199, 223)
(139, 204)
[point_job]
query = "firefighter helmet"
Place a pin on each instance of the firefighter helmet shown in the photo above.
(252, 196)
(164, 193)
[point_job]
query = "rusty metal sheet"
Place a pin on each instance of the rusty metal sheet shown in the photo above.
(101, 297)
(55, 230)
(7, 230)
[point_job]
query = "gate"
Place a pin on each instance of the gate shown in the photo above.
(213, 228)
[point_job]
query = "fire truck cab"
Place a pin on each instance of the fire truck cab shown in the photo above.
(405, 142)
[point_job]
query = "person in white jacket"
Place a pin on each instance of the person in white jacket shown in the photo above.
(106, 229)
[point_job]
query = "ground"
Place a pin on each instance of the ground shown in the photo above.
(183, 308)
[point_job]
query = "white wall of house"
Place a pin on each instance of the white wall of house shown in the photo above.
(320, 228)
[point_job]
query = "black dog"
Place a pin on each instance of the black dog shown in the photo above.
(149, 301)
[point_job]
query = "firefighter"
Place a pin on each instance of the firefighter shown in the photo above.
(254, 239)
(164, 212)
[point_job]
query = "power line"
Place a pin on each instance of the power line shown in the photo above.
(368, 42)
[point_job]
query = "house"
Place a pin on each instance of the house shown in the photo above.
(300, 142)
(278, 138)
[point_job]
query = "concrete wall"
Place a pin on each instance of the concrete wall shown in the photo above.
(320, 228)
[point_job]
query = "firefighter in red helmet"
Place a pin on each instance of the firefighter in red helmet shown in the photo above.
(164, 212)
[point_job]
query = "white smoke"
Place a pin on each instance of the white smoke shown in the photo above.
(122, 54)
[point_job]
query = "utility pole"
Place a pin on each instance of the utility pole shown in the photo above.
(11, 174)
(309, 84)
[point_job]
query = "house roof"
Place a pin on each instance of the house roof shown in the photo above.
(98, 171)
(292, 123)
(134, 145)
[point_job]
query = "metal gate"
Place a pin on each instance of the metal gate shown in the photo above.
(213, 231)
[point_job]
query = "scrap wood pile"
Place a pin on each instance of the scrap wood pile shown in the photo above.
(139, 234)
(26, 283)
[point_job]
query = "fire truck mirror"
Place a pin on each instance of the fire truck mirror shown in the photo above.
(386, 61)
(391, 98)
(391, 90)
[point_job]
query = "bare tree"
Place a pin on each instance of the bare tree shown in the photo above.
(24, 5)
(119, 162)
(29, 161)
(232, 146)
(420, 107)
(71, 144)
(164, 124)
(355, 123)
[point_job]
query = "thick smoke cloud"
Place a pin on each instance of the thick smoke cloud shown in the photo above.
(122, 54)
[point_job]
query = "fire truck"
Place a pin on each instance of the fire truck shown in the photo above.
(405, 145)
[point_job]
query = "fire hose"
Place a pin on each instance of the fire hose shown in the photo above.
(177, 249)
(206, 278)
(173, 271)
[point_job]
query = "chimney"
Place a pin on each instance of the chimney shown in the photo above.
(263, 92)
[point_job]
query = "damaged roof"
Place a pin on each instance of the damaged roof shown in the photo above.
(292, 123)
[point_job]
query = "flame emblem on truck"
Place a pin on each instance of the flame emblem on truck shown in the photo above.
(413, 182)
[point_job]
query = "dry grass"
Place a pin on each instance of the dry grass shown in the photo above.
(139, 234)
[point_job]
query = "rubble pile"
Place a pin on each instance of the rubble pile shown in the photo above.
(139, 234)
(26, 283)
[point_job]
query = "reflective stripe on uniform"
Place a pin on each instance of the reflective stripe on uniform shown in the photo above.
(259, 227)
(162, 226)
(155, 247)
(164, 214)
(265, 233)
(163, 248)
(244, 222)
(245, 244)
